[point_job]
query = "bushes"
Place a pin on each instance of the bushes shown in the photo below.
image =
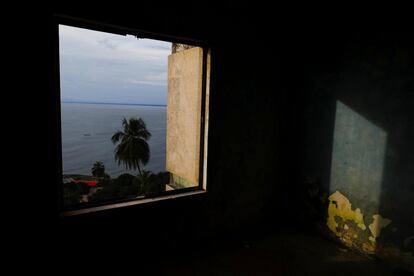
(72, 192)
(123, 187)
(155, 184)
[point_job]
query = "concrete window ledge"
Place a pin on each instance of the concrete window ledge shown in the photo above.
(129, 203)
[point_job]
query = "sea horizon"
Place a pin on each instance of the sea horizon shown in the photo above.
(87, 130)
(113, 103)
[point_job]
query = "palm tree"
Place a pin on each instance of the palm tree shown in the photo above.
(98, 169)
(133, 149)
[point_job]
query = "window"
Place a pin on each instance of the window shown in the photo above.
(133, 116)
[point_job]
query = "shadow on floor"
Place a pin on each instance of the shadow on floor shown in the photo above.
(282, 254)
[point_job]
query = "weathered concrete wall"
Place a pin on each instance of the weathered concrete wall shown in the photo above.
(358, 157)
(178, 47)
(184, 115)
(357, 139)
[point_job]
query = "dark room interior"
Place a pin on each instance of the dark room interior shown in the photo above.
(310, 162)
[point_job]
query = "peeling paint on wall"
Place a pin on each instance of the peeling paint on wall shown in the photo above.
(378, 223)
(340, 206)
(349, 225)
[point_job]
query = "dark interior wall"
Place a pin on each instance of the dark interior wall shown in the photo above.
(372, 74)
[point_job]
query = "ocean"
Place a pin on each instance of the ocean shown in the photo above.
(87, 130)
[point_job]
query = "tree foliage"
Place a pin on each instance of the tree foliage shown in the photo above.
(132, 148)
(98, 169)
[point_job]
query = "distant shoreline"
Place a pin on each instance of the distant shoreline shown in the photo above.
(135, 104)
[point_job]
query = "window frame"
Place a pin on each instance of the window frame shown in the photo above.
(83, 208)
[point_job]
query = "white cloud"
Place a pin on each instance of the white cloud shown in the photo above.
(93, 61)
(156, 79)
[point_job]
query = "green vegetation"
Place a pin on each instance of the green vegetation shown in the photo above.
(129, 186)
(98, 169)
(72, 193)
(133, 151)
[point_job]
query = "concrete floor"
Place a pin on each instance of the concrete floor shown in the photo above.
(282, 254)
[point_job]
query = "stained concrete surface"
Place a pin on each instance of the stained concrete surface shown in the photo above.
(183, 114)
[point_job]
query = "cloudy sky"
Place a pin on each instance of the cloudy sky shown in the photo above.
(104, 67)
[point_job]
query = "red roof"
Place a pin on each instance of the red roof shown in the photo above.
(91, 183)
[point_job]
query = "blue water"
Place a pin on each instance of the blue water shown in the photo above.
(87, 130)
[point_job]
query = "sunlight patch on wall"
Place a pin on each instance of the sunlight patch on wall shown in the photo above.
(356, 180)
(357, 158)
